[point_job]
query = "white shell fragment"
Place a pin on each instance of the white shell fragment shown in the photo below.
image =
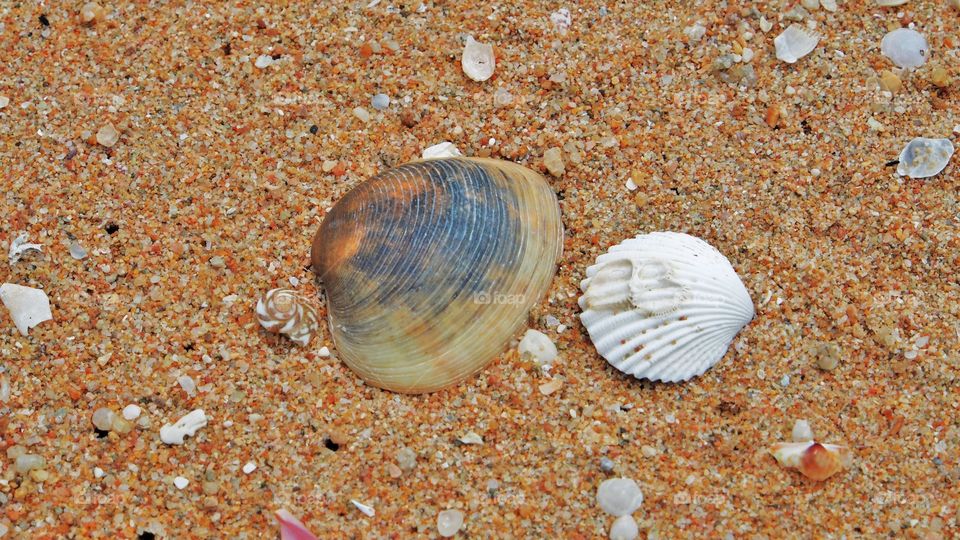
(539, 346)
(282, 311)
(477, 60)
(185, 427)
(28, 306)
(19, 246)
(663, 306)
(441, 150)
(923, 158)
(619, 496)
(367, 510)
(794, 43)
(471, 438)
(905, 47)
(891, 3)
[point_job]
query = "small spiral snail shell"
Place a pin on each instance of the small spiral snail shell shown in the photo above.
(282, 311)
(430, 268)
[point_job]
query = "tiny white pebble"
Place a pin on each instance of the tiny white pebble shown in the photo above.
(801, 431)
(131, 412)
(624, 528)
(630, 184)
(98, 472)
(249, 467)
(263, 61)
(449, 522)
(180, 482)
(324, 352)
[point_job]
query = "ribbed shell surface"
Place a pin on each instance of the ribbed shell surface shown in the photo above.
(663, 306)
(431, 267)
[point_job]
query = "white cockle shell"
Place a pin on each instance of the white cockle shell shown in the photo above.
(794, 43)
(905, 47)
(478, 60)
(923, 158)
(282, 311)
(663, 306)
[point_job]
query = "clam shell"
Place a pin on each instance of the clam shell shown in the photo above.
(663, 306)
(923, 158)
(794, 43)
(430, 268)
(905, 47)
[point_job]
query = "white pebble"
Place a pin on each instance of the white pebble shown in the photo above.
(98, 472)
(380, 102)
(4, 101)
(471, 438)
(249, 467)
(538, 345)
(449, 522)
(263, 61)
(187, 384)
(624, 528)
(324, 352)
(131, 412)
(362, 114)
(802, 431)
(619, 496)
(180, 482)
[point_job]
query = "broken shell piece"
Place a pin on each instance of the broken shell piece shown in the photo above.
(891, 3)
(471, 438)
(794, 43)
(663, 306)
(282, 311)
(368, 510)
(539, 346)
(185, 427)
(291, 528)
(923, 158)
(814, 460)
(441, 150)
(28, 306)
(19, 246)
(905, 47)
(478, 61)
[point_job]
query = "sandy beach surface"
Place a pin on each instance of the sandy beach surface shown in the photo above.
(174, 161)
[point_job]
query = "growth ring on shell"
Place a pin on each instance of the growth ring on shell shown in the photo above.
(431, 267)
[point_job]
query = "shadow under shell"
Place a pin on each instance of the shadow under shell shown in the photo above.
(431, 267)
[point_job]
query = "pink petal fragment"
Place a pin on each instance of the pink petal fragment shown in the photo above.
(291, 528)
